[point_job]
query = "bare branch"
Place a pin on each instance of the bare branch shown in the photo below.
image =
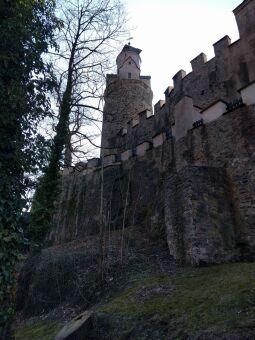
(91, 33)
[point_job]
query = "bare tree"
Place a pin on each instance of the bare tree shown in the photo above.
(90, 33)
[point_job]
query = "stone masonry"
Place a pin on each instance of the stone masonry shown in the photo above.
(187, 168)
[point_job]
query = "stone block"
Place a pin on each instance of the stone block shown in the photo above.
(142, 148)
(248, 94)
(77, 329)
(159, 139)
(185, 115)
(158, 105)
(144, 115)
(148, 113)
(177, 78)
(221, 45)
(214, 111)
(199, 61)
(109, 159)
(146, 80)
(93, 162)
(168, 91)
(135, 121)
(126, 155)
(123, 131)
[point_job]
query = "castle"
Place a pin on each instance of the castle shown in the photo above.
(188, 168)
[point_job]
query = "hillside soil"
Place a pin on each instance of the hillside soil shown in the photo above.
(135, 290)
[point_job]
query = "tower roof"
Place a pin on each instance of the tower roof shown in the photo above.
(131, 49)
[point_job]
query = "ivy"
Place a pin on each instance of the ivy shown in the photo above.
(26, 33)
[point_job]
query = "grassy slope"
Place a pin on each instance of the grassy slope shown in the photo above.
(217, 299)
(151, 297)
(40, 330)
(214, 300)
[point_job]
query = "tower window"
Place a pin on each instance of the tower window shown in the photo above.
(129, 75)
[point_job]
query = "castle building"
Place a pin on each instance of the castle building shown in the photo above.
(187, 168)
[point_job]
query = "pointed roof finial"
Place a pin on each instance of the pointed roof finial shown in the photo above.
(129, 40)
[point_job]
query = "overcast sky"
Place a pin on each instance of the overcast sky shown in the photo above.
(173, 32)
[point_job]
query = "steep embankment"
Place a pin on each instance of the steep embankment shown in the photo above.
(149, 296)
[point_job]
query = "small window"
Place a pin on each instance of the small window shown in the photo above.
(129, 62)
(129, 75)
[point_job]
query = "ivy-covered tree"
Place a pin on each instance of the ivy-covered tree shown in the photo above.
(90, 30)
(26, 33)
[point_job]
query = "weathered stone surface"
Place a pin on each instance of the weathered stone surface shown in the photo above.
(214, 111)
(142, 148)
(199, 179)
(78, 207)
(124, 100)
(93, 162)
(159, 139)
(212, 169)
(248, 94)
(199, 216)
(126, 155)
(77, 329)
(109, 159)
(228, 142)
(185, 115)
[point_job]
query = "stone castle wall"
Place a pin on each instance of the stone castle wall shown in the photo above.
(226, 148)
(189, 168)
(220, 79)
(132, 183)
(199, 215)
(203, 193)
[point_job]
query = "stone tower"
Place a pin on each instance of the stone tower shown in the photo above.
(127, 94)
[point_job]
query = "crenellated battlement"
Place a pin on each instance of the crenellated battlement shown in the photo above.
(198, 62)
(213, 88)
(216, 83)
(213, 112)
(245, 14)
(187, 165)
(177, 78)
(221, 77)
(95, 164)
(159, 105)
(203, 74)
